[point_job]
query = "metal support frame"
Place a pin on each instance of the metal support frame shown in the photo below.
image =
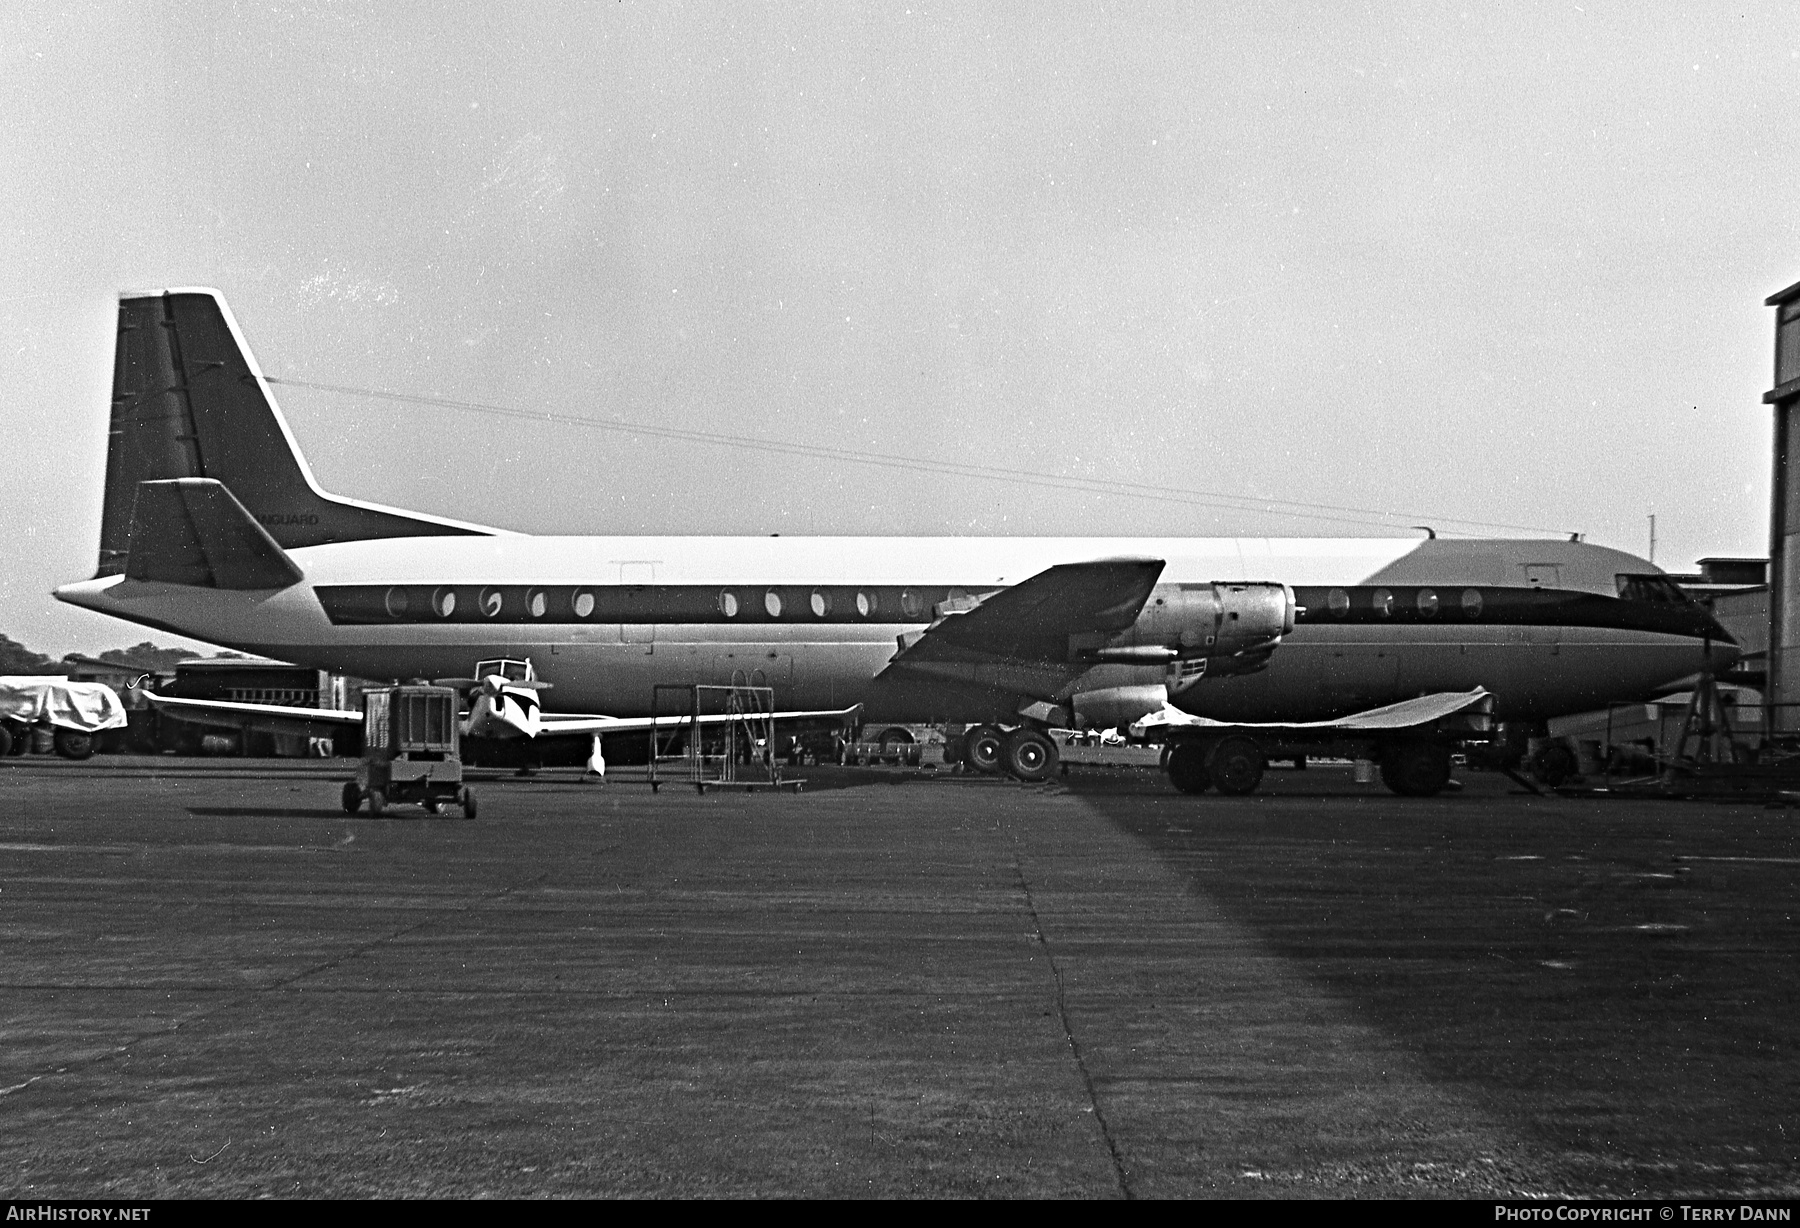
(736, 752)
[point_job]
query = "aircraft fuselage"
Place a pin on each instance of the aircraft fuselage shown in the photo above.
(1538, 623)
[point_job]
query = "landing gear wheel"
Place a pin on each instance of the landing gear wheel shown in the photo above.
(377, 802)
(984, 748)
(73, 744)
(1416, 769)
(6, 741)
(1030, 755)
(467, 798)
(21, 739)
(1236, 767)
(893, 741)
(1554, 764)
(1187, 768)
(352, 797)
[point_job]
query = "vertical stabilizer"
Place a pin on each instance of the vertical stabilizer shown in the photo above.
(190, 402)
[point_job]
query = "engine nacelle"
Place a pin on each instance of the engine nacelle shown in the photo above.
(1218, 629)
(1117, 707)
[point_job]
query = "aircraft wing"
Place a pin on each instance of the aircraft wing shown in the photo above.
(557, 725)
(321, 722)
(1471, 706)
(262, 718)
(1030, 636)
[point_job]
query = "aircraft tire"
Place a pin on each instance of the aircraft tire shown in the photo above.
(1554, 764)
(377, 803)
(6, 741)
(73, 744)
(352, 797)
(21, 739)
(1236, 767)
(1030, 755)
(1416, 769)
(467, 798)
(1186, 763)
(895, 741)
(984, 749)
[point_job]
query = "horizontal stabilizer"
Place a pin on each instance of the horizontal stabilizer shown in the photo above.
(192, 531)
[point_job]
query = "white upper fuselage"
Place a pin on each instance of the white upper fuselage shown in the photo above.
(788, 612)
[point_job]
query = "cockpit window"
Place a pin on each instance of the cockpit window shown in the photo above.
(512, 671)
(1659, 590)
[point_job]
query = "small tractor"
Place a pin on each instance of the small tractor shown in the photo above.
(410, 752)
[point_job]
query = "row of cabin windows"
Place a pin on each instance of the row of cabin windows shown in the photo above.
(1383, 603)
(820, 603)
(492, 602)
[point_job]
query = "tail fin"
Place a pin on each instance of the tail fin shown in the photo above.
(191, 531)
(190, 402)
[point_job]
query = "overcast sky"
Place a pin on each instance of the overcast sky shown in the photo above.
(1453, 262)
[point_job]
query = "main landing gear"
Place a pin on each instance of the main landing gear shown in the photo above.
(1025, 753)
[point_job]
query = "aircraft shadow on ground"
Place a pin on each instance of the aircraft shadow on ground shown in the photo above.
(1617, 982)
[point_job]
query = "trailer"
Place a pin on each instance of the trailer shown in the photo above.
(1412, 743)
(411, 752)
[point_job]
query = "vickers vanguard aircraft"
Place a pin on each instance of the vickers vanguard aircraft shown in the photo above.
(214, 527)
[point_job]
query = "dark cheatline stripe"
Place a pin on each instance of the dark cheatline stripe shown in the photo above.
(826, 604)
(1415, 605)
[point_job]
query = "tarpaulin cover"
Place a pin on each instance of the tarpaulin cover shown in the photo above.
(85, 706)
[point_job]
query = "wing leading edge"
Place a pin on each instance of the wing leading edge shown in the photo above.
(322, 722)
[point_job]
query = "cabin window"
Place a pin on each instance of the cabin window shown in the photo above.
(867, 603)
(911, 604)
(772, 603)
(443, 602)
(1427, 603)
(820, 602)
(728, 604)
(492, 602)
(1471, 602)
(1383, 601)
(584, 603)
(1337, 601)
(538, 602)
(396, 602)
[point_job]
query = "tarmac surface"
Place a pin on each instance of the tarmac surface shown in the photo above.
(217, 984)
